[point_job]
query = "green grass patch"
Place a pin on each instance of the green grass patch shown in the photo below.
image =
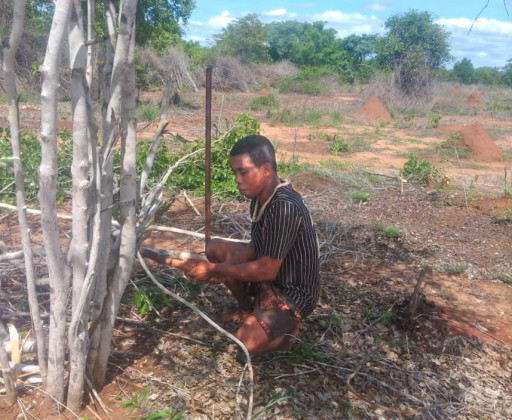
(505, 277)
(471, 165)
(332, 165)
(454, 268)
(148, 112)
(262, 102)
(359, 196)
(389, 231)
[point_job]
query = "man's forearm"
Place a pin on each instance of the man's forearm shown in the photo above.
(263, 269)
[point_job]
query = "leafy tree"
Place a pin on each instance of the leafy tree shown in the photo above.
(464, 71)
(488, 76)
(244, 38)
(506, 74)
(160, 22)
(304, 44)
(360, 50)
(414, 48)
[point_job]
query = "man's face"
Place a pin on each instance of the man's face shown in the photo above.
(248, 177)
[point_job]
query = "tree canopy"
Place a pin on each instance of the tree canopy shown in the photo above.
(244, 38)
(414, 47)
(464, 71)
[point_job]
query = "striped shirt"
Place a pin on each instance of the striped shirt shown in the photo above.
(285, 231)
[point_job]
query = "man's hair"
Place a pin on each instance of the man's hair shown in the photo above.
(259, 149)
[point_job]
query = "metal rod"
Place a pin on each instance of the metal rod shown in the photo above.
(208, 158)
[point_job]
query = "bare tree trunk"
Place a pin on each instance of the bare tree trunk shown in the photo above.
(123, 64)
(79, 247)
(157, 137)
(90, 48)
(103, 183)
(7, 373)
(13, 116)
(58, 271)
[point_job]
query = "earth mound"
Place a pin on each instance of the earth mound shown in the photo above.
(477, 139)
(374, 110)
(474, 99)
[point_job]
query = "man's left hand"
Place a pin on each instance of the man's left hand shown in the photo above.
(199, 270)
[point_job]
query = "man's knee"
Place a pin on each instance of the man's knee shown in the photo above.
(216, 250)
(220, 250)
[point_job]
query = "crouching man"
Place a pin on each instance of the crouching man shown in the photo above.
(274, 278)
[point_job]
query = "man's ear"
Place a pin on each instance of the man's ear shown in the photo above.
(267, 167)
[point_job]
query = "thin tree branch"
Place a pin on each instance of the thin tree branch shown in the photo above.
(213, 324)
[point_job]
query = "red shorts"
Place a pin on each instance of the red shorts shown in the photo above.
(274, 314)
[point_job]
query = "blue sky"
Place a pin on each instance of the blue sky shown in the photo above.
(488, 44)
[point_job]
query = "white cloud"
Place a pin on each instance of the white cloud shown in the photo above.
(221, 21)
(485, 45)
(349, 23)
(482, 25)
(376, 7)
(277, 12)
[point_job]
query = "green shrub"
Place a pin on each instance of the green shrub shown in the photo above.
(390, 232)
(359, 196)
(455, 268)
(308, 81)
(434, 120)
(31, 160)
(148, 112)
(190, 176)
(454, 147)
(418, 171)
(339, 146)
(261, 102)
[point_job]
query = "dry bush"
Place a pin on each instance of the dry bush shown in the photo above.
(386, 87)
(229, 73)
(173, 67)
(270, 74)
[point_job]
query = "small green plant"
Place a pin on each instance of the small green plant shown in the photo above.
(149, 301)
(137, 400)
(455, 268)
(148, 112)
(359, 196)
(168, 414)
(389, 231)
(418, 170)
(213, 351)
(373, 316)
(338, 145)
(269, 101)
(502, 276)
(303, 351)
(434, 120)
(275, 398)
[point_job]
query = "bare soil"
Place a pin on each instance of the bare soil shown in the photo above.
(360, 354)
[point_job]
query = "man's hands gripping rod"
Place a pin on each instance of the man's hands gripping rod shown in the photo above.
(198, 269)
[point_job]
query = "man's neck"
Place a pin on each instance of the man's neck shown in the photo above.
(268, 191)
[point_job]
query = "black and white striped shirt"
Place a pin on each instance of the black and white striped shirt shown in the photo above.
(285, 231)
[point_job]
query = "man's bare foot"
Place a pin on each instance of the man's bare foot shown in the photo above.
(233, 315)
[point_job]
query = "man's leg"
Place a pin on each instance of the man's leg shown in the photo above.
(258, 342)
(218, 250)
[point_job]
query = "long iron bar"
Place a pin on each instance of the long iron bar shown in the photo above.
(208, 158)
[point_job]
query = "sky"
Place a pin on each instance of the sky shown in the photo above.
(489, 43)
